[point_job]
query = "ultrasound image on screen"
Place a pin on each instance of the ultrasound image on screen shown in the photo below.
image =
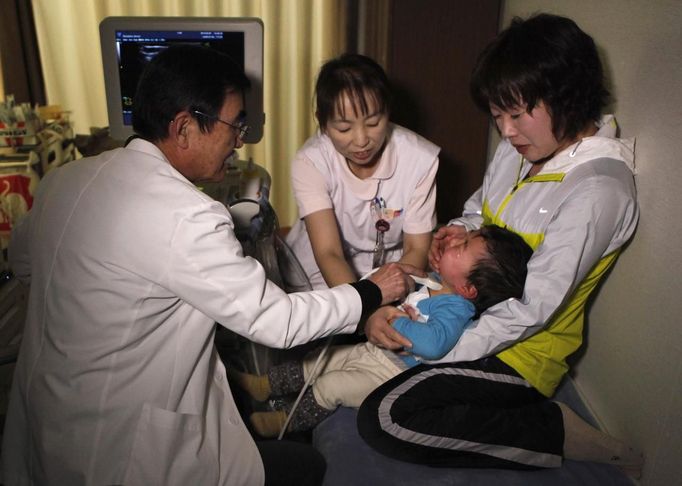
(137, 49)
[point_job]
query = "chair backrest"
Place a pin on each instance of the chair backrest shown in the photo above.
(12, 316)
(257, 228)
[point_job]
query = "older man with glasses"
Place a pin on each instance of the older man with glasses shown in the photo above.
(130, 267)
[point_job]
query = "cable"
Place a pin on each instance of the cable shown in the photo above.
(312, 375)
(305, 387)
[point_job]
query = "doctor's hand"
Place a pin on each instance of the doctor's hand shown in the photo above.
(442, 239)
(379, 331)
(393, 279)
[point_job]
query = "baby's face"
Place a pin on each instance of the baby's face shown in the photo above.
(458, 260)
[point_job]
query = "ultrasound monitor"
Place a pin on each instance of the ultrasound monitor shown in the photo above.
(129, 43)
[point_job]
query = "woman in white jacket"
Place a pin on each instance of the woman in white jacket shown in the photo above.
(562, 181)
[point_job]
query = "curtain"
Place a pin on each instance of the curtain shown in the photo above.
(2, 87)
(19, 58)
(298, 36)
(373, 29)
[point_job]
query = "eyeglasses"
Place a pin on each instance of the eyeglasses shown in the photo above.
(241, 126)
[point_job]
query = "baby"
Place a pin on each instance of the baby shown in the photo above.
(486, 268)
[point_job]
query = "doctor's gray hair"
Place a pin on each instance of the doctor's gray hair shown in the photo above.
(184, 77)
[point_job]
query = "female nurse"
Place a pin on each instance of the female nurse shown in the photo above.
(365, 187)
(562, 180)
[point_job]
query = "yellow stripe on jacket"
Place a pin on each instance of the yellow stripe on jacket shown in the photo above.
(541, 358)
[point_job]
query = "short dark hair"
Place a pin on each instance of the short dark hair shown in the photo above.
(545, 58)
(184, 77)
(501, 274)
(352, 74)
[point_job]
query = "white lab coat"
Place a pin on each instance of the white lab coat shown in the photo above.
(118, 381)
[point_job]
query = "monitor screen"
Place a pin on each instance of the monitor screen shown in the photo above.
(129, 43)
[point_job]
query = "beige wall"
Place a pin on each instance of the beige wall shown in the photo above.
(631, 374)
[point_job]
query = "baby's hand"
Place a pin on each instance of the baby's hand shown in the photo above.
(398, 312)
(412, 313)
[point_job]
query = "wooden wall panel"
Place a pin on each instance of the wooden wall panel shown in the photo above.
(433, 45)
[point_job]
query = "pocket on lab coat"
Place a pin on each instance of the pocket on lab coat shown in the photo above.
(171, 448)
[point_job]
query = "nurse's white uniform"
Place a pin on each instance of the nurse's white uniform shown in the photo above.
(405, 179)
(118, 381)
